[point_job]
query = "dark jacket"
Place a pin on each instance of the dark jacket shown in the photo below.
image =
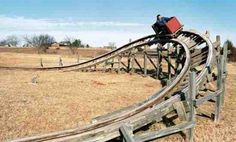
(162, 21)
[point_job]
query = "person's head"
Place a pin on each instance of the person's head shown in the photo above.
(159, 17)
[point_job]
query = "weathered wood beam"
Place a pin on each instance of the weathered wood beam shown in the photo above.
(210, 96)
(179, 107)
(136, 61)
(145, 61)
(127, 133)
(219, 87)
(152, 62)
(224, 74)
(164, 132)
(191, 99)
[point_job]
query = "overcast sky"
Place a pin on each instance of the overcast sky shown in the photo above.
(98, 22)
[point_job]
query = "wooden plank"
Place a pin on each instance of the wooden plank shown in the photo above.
(219, 87)
(180, 110)
(158, 62)
(152, 62)
(210, 96)
(145, 61)
(169, 63)
(127, 133)
(205, 113)
(136, 61)
(191, 98)
(119, 64)
(156, 113)
(148, 136)
(225, 54)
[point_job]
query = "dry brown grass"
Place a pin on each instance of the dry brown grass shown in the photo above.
(63, 100)
(67, 100)
(33, 60)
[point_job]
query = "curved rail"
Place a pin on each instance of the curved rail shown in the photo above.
(112, 123)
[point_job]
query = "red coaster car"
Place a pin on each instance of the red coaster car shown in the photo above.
(171, 28)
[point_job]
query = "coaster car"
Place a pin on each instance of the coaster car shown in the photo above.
(171, 28)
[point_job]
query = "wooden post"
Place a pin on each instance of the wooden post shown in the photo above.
(177, 60)
(119, 62)
(60, 62)
(41, 62)
(145, 61)
(218, 41)
(127, 133)
(132, 60)
(158, 61)
(225, 54)
(128, 66)
(105, 66)
(219, 87)
(191, 99)
(169, 62)
(78, 58)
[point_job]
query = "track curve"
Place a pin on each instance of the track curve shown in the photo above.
(189, 43)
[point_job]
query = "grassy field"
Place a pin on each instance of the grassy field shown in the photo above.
(63, 100)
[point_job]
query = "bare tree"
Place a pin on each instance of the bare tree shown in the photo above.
(10, 41)
(42, 42)
(112, 45)
(3, 42)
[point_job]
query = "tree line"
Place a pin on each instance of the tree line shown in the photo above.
(42, 42)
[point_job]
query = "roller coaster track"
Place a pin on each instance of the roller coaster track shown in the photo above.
(195, 52)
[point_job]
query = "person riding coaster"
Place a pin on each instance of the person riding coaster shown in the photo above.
(160, 24)
(166, 25)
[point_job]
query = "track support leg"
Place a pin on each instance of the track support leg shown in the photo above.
(191, 99)
(219, 87)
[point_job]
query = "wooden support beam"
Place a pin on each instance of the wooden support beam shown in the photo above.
(202, 112)
(136, 61)
(219, 87)
(132, 60)
(177, 58)
(60, 62)
(129, 63)
(179, 107)
(210, 95)
(119, 64)
(191, 99)
(105, 66)
(164, 132)
(218, 45)
(224, 74)
(158, 61)
(169, 62)
(41, 62)
(127, 133)
(152, 62)
(145, 61)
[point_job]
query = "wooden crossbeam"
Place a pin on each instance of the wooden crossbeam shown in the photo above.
(164, 132)
(136, 61)
(180, 110)
(127, 133)
(210, 96)
(152, 62)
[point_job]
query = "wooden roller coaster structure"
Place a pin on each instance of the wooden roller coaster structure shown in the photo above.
(188, 66)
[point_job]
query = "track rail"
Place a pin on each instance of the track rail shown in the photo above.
(107, 128)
